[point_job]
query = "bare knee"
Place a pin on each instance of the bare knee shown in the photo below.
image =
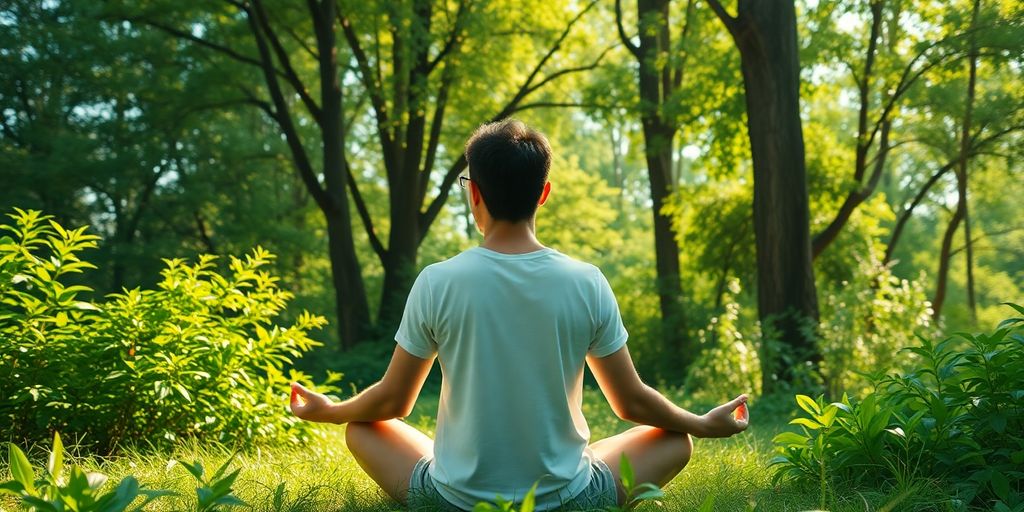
(356, 433)
(678, 444)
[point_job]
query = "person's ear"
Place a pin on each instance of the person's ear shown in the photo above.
(474, 193)
(544, 195)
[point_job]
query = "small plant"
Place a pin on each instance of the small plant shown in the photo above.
(635, 493)
(214, 492)
(77, 490)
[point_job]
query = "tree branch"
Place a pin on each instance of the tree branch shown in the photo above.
(453, 38)
(731, 23)
(285, 60)
(372, 84)
(634, 49)
(364, 215)
(283, 117)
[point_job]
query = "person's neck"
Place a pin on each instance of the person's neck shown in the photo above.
(511, 237)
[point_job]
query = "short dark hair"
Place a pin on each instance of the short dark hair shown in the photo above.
(509, 162)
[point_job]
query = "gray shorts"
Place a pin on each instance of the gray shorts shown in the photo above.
(599, 494)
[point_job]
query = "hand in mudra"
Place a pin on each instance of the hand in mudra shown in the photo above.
(725, 420)
(309, 405)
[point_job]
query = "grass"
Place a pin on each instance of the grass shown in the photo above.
(323, 476)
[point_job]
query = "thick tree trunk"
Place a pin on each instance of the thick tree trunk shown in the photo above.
(351, 307)
(350, 294)
(765, 33)
(400, 260)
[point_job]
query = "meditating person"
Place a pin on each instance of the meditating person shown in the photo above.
(512, 322)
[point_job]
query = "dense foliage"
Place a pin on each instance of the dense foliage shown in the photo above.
(955, 420)
(198, 355)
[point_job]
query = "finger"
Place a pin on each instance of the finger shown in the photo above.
(736, 402)
(742, 424)
(299, 394)
(741, 413)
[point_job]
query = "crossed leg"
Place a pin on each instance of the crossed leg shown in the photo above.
(388, 451)
(655, 455)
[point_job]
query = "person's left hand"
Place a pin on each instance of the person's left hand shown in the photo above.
(310, 405)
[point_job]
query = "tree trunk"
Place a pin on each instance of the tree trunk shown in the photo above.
(961, 214)
(658, 143)
(765, 33)
(657, 81)
(944, 256)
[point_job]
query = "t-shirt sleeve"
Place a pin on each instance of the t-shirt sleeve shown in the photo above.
(416, 332)
(610, 335)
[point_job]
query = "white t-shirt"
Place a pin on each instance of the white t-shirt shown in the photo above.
(511, 333)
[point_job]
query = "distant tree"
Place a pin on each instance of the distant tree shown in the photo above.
(660, 78)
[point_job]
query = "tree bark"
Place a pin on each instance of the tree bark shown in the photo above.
(657, 82)
(765, 34)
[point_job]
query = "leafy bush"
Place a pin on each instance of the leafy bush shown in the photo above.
(200, 355)
(956, 419)
(728, 361)
(871, 316)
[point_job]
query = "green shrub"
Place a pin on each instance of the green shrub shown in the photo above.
(200, 355)
(868, 318)
(728, 362)
(956, 420)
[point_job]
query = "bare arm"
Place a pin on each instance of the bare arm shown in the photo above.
(392, 397)
(632, 400)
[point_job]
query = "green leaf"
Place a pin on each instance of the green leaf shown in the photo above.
(625, 473)
(790, 439)
(807, 404)
(806, 422)
(224, 467)
(21, 470)
(55, 464)
(1001, 486)
(196, 469)
(708, 505)
(529, 499)
(39, 504)
(1020, 309)
(12, 487)
(278, 502)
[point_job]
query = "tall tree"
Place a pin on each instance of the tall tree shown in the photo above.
(659, 78)
(764, 32)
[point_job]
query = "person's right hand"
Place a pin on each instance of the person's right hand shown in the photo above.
(310, 405)
(725, 420)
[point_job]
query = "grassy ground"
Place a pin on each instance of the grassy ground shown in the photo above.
(324, 477)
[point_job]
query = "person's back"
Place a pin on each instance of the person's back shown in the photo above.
(512, 323)
(511, 333)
